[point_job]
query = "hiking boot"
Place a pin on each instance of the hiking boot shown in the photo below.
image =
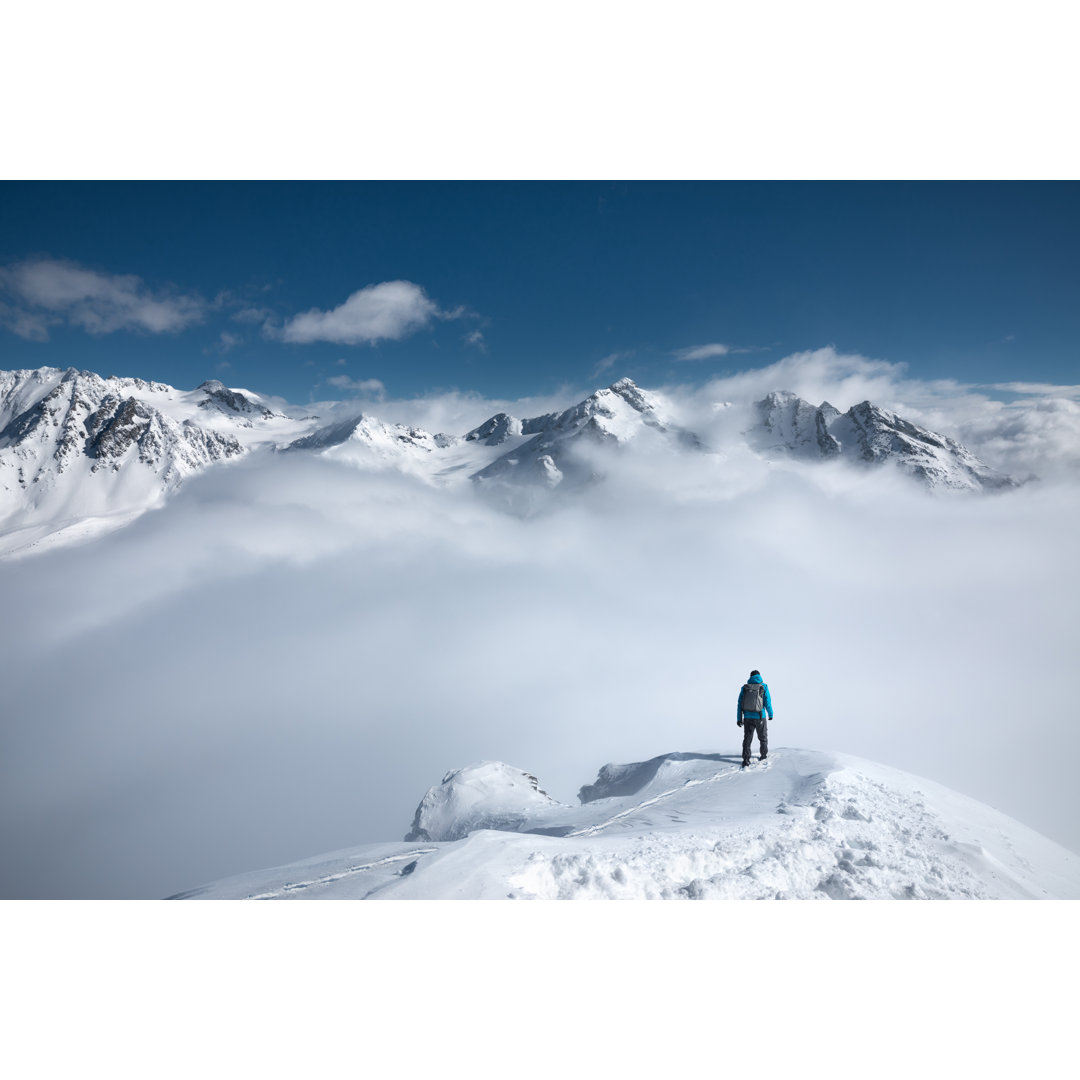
(763, 757)
(746, 764)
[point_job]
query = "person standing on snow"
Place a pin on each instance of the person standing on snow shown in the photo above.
(754, 703)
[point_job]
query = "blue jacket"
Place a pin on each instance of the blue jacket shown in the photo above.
(750, 714)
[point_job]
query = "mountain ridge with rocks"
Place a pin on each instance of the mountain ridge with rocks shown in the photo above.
(81, 454)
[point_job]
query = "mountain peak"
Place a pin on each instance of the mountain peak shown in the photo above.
(67, 429)
(870, 434)
(220, 396)
(496, 430)
(73, 437)
(633, 395)
(796, 427)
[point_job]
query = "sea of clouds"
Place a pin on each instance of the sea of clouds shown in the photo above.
(286, 656)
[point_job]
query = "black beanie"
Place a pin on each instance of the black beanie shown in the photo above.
(755, 672)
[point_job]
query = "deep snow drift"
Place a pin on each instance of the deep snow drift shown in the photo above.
(690, 826)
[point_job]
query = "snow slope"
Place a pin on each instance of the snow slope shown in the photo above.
(81, 455)
(690, 826)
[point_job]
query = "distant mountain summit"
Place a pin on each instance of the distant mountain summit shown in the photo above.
(219, 396)
(867, 434)
(795, 426)
(369, 432)
(81, 454)
(550, 450)
(611, 417)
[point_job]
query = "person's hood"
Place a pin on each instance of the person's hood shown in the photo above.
(755, 679)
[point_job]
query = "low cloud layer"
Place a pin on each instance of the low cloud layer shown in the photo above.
(389, 311)
(1036, 432)
(1037, 389)
(282, 661)
(37, 294)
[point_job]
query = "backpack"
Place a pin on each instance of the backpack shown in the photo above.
(752, 698)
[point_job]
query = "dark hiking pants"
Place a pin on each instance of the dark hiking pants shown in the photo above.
(748, 727)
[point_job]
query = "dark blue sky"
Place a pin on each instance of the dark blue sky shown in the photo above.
(528, 286)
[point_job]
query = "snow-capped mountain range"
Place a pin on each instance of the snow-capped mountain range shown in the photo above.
(689, 826)
(872, 435)
(81, 454)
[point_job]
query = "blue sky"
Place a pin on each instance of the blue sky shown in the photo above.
(322, 290)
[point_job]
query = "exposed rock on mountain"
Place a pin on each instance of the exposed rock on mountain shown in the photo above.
(495, 431)
(64, 433)
(611, 417)
(875, 435)
(796, 426)
(83, 415)
(75, 447)
(871, 435)
(219, 396)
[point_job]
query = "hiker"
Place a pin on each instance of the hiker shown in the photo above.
(754, 703)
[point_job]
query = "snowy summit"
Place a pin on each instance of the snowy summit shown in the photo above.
(81, 455)
(689, 826)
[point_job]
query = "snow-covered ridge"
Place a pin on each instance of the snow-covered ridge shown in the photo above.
(802, 825)
(611, 417)
(80, 454)
(75, 447)
(871, 435)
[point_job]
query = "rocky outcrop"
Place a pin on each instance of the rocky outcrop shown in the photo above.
(219, 396)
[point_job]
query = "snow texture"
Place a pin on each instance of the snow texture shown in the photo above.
(802, 825)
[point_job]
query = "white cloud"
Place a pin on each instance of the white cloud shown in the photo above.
(386, 312)
(1040, 438)
(817, 375)
(1036, 435)
(33, 327)
(702, 352)
(252, 315)
(476, 337)
(1037, 389)
(365, 387)
(48, 292)
(605, 364)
